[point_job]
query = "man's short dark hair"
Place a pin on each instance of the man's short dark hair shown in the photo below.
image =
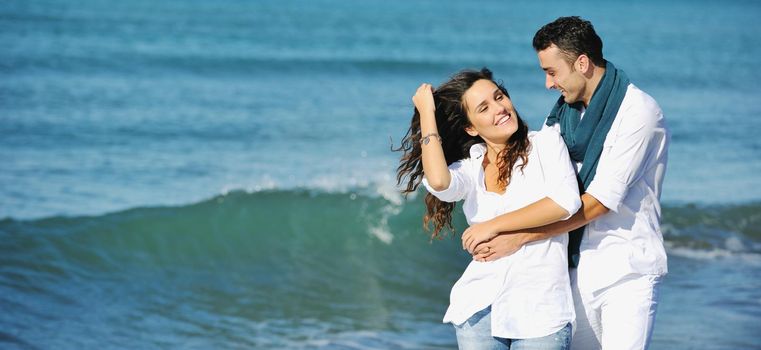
(573, 36)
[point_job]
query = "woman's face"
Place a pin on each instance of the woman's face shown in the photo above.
(491, 113)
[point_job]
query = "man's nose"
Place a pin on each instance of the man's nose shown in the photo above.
(548, 82)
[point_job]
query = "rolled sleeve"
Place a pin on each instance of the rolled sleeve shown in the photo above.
(559, 176)
(625, 153)
(568, 200)
(609, 191)
(458, 184)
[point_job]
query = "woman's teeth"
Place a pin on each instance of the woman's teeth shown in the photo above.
(503, 120)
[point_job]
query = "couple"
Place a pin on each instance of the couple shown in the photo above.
(521, 193)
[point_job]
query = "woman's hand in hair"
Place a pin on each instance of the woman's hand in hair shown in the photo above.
(423, 100)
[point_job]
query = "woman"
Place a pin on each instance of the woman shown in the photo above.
(466, 142)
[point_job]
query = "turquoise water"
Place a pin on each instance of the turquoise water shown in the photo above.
(205, 175)
(300, 269)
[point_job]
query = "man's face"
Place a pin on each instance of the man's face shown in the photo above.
(561, 75)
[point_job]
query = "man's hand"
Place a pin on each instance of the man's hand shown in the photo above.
(498, 247)
(508, 243)
(476, 234)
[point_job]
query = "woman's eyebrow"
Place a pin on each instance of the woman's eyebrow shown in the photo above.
(496, 92)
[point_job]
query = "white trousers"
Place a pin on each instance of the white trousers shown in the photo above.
(618, 317)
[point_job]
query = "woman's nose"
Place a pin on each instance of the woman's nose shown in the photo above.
(499, 108)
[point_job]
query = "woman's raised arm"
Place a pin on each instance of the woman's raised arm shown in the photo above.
(434, 163)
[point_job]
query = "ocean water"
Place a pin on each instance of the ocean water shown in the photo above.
(197, 174)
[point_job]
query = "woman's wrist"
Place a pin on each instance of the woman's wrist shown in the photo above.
(428, 124)
(427, 138)
(427, 114)
(492, 227)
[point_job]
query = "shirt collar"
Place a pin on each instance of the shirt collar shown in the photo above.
(477, 150)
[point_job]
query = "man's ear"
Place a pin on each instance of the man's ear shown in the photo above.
(582, 64)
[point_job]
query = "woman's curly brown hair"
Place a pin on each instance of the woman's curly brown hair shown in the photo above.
(452, 120)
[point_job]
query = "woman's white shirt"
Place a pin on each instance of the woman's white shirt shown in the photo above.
(529, 291)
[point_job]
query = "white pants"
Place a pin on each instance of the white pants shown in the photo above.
(618, 317)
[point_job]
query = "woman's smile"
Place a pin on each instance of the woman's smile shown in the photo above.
(503, 119)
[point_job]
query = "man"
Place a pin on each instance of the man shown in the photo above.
(617, 136)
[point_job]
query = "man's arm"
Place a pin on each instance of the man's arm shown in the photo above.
(507, 243)
(539, 213)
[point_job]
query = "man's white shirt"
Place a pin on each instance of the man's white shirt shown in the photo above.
(628, 181)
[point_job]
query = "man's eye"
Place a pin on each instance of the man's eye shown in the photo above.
(499, 97)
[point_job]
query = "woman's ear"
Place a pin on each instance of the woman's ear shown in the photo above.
(471, 131)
